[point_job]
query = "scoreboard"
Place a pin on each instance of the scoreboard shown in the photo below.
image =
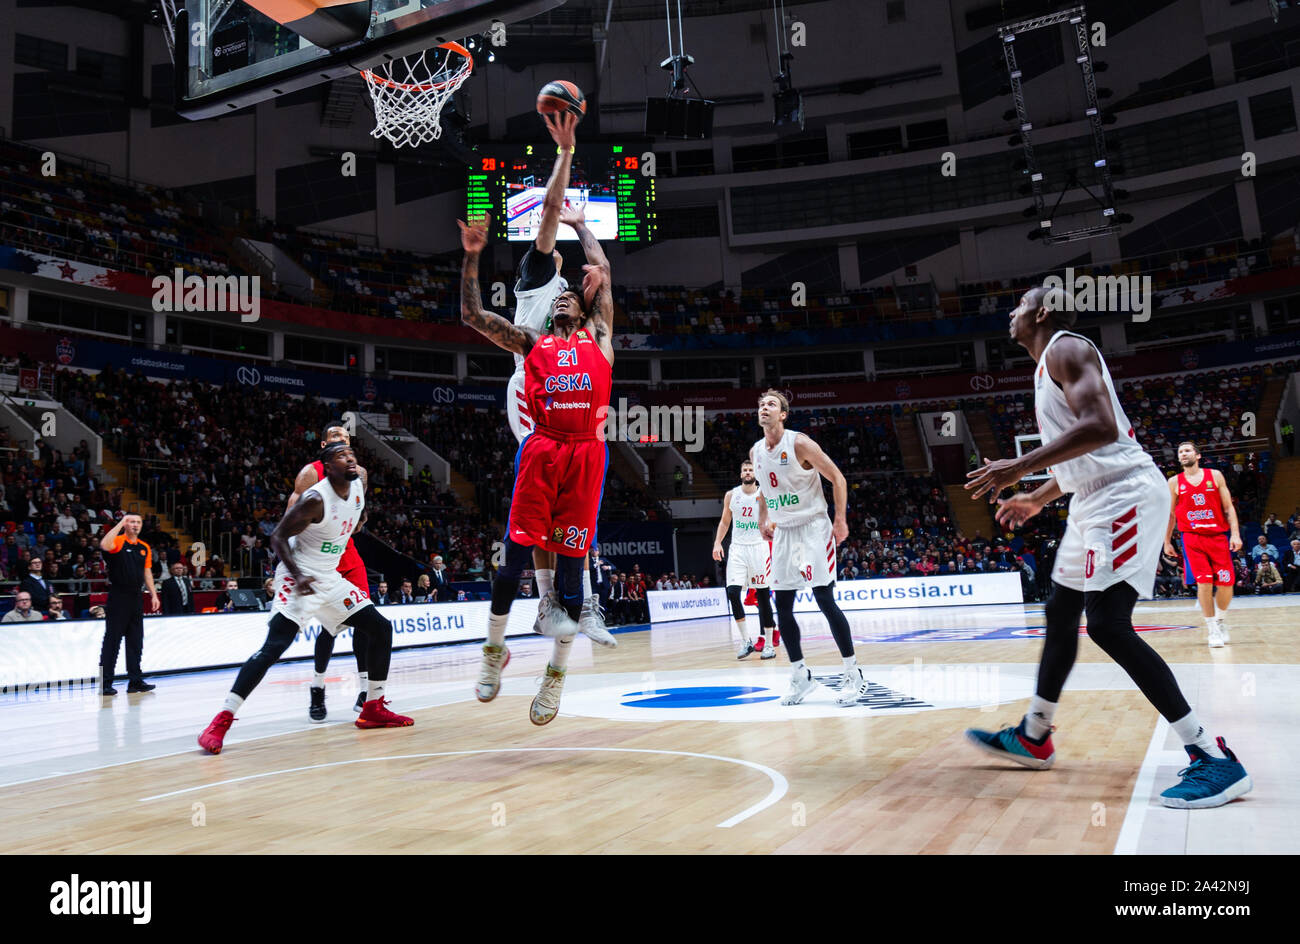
(509, 181)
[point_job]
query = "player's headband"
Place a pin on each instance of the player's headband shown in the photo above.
(332, 450)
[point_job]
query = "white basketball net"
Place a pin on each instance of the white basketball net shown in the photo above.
(410, 92)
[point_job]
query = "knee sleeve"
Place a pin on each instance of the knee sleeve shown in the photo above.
(1060, 641)
(789, 626)
(765, 618)
(280, 633)
(733, 597)
(568, 583)
(373, 632)
(1110, 626)
(835, 618)
(506, 585)
(324, 649)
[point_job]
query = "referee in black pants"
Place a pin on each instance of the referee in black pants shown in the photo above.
(130, 563)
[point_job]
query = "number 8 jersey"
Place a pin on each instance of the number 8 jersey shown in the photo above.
(793, 493)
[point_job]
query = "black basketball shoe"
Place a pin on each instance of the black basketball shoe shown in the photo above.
(317, 710)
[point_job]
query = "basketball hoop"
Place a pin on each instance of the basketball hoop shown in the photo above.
(409, 92)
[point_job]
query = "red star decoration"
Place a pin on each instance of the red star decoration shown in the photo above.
(626, 342)
(68, 270)
(1187, 295)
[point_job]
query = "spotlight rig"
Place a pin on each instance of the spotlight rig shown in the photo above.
(1077, 18)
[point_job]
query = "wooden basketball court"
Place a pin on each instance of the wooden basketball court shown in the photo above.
(669, 744)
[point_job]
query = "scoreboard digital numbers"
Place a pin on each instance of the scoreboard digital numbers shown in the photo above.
(509, 182)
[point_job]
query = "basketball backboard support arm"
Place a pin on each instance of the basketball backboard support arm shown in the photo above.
(418, 25)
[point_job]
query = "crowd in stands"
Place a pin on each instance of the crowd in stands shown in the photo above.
(82, 214)
(856, 437)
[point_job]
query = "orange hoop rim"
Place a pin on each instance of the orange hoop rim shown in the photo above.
(458, 76)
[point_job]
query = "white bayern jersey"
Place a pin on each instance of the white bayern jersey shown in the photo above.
(793, 493)
(1055, 417)
(532, 306)
(318, 547)
(744, 516)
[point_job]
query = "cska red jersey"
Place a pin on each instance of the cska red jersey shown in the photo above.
(567, 385)
(1199, 510)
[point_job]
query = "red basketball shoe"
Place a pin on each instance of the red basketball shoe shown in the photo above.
(375, 715)
(215, 734)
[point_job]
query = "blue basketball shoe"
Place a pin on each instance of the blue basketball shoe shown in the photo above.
(1208, 781)
(1014, 744)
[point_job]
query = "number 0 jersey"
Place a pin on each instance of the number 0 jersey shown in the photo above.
(1199, 510)
(318, 547)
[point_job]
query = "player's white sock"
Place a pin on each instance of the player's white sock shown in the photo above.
(233, 703)
(850, 663)
(1219, 613)
(744, 633)
(797, 667)
(586, 583)
(1038, 719)
(545, 582)
(376, 690)
(1190, 731)
(560, 652)
(497, 629)
(363, 681)
(318, 680)
(1211, 623)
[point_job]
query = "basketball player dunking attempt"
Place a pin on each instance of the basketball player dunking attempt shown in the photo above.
(538, 286)
(1110, 552)
(350, 566)
(309, 541)
(560, 467)
(1204, 513)
(792, 515)
(750, 563)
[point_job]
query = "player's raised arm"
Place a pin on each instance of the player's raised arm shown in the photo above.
(805, 450)
(597, 283)
(563, 127)
(498, 330)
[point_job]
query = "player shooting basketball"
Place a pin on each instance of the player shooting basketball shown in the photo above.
(538, 286)
(561, 464)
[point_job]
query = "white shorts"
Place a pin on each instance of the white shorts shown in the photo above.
(331, 601)
(1115, 533)
(521, 418)
(803, 555)
(749, 565)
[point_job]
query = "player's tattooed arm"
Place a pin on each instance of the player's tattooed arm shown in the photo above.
(501, 332)
(365, 487)
(308, 510)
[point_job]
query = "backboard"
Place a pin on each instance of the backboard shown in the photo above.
(228, 55)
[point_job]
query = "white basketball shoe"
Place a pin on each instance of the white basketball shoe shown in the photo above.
(801, 683)
(854, 687)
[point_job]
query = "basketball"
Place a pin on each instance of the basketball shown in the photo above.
(561, 96)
